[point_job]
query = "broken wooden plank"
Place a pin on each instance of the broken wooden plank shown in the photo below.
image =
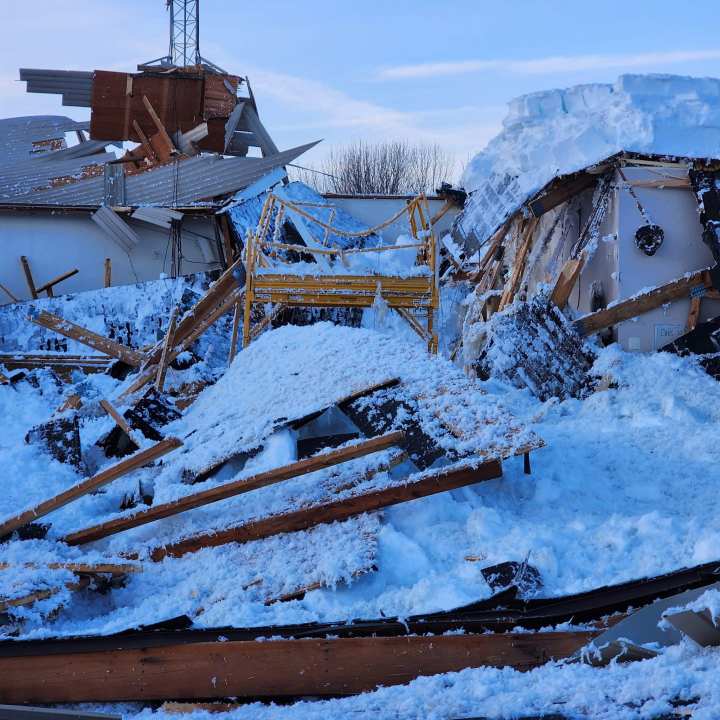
(513, 283)
(48, 286)
(56, 361)
(237, 315)
(165, 148)
(429, 483)
(164, 357)
(28, 277)
(566, 280)
(274, 668)
(87, 337)
(560, 191)
(108, 273)
(683, 287)
(7, 604)
(116, 569)
(237, 487)
(693, 314)
(117, 417)
(8, 293)
(143, 457)
(72, 402)
(4, 379)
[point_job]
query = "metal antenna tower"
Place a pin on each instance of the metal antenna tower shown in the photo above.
(184, 38)
(184, 32)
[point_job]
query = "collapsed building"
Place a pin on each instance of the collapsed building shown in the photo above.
(203, 460)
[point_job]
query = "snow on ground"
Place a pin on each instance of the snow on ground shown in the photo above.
(626, 487)
(554, 132)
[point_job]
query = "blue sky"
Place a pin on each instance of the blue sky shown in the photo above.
(423, 71)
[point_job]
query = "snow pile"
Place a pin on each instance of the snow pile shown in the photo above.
(134, 315)
(556, 132)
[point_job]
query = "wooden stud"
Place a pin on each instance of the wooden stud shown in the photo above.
(519, 266)
(429, 483)
(115, 569)
(108, 273)
(120, 421)
(566, 280)
(73, 402)
(694, 314)
(168, 144)
(28, 276)
(87, 337)
(235, 327)
(145, 142)
(8, 293)
(125, 466)
(167, 347)
(48, 286)
(237, 487)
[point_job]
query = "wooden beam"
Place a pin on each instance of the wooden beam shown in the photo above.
(4, 379)
(87, 337)
(632, 307)
(145, 142)
(560, 191)
(429, 483)
(8, 293)
(694, 314)
(33, 597)
(168, 344)
(120, 421)
(28, 277)
(237, 487)
(48, 286)
(275, 668)
(566, 280)
(125, 466)
(519, 266)
(108, 273)
(115, 569)
(162, 132)
(237, 316)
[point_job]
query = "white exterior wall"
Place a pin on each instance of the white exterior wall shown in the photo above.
(57, 243)
(675, 210)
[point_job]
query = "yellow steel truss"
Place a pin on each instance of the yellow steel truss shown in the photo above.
(413, 298)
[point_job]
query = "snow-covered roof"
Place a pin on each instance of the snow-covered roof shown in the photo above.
(558, 132)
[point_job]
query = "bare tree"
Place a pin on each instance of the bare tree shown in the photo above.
(388, 168)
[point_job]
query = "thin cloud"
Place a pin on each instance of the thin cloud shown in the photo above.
(548, 65)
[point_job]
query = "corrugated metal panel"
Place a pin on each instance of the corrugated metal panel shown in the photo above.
(17, 135)
(75, 86)
(116, 228)
(183, 183)
(19, 179)
(162, 217)
(81, 150)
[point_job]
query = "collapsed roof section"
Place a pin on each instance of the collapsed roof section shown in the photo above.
(559, 132)
(184, 119)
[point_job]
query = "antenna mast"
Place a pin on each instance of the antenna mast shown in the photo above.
(184, 32)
